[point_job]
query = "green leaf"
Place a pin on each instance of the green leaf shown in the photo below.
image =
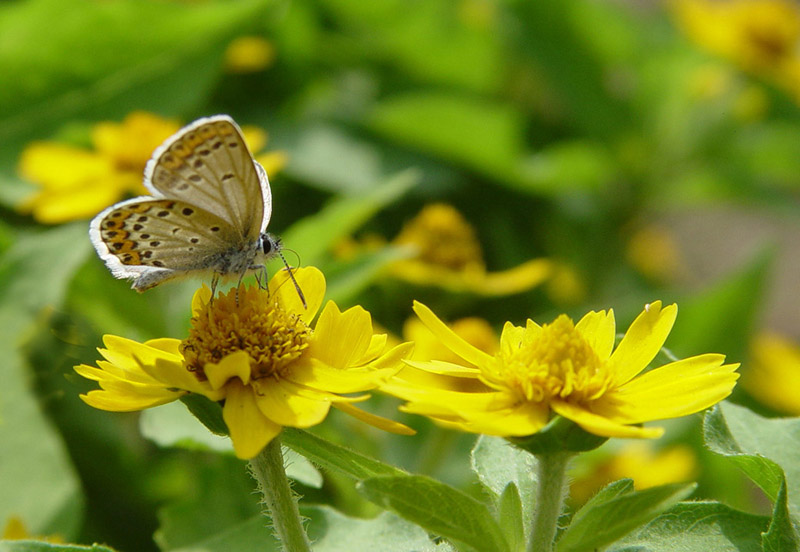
(509, 514)
(39, 485)
(478, 134)
(499, 465)
(697, 527)
(36, 546)
(207, 411)
(63, 61)
(764, 449)
(603, 521)
(313, 236)
(722, 319)
(334, 457)
(252, 534)
(782, 534)
(437, 507)
(384, 533)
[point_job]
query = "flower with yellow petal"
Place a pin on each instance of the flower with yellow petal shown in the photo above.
(249, 54)
(572, 370)
(447, 254)
(257, 351)
(773, 375)
(638, 461)
(77, 183)
(654, 253)
(760, 36)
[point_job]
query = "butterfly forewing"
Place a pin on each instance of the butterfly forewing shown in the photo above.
(162, 233)
(208, 165)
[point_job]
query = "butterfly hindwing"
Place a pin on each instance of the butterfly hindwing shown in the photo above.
(160, 233)
(207, 164)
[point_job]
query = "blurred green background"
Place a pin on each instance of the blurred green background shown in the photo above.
(644, 151)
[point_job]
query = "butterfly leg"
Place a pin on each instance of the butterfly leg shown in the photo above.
(214, 282)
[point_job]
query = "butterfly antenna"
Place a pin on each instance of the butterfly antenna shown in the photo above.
(294, 281)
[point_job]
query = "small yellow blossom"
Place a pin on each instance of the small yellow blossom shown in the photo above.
(15, 529)
(76, 183)
(773, 375)
(255, 350)
(762, 37)
(638, 461)
(571, 370)
(655, 254)
(448, 255)
(249, 54)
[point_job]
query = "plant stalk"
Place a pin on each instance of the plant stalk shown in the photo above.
(551, 490)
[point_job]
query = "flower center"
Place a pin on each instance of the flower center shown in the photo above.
(555, 361)
(443, 237)
(256, 324)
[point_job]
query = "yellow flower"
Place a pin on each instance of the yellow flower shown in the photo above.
(255, 350)
(15, 529)
(637, 461)
(571, 370)
(76, 183)
(773, 376)
(760, 36)
(447, 254)
(654, 253)
(249, 54)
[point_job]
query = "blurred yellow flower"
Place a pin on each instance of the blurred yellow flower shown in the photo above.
(76, 183)
(15, 529)
(773, 375)
(638, 461)
(448, 255)
(249, 54)
(652, 251)
(567, 369)
(255, 350)
(762, 37)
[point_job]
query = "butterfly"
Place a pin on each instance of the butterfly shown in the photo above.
(209, 210)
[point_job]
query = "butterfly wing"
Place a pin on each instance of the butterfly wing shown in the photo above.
(208, 165)
(152, 240)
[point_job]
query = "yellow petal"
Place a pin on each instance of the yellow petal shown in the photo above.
(394, 357)
(449, 338)
(445, 368)
(115, 402)
(311, 283)
(341, 338)
(676, 389)
(598, 328)
(235, 365)
(249, 429)
(273, 161)
(166, 344)
(642, 341)
(285, 404)
(511, 338)
(58, 167)
(515, 280)
(83, 202)
(373, 420)
(377, 344)
(200, 299)
(523, 419)
(321, 377)
(600, 425)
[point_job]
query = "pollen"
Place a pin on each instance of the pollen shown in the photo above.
(256, 324)
(551, 362)
(444, 238)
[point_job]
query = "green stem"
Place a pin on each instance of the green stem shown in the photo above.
(551, 488)
(281, 502)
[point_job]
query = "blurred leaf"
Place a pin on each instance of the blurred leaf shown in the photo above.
(762, 448)
(721, 319)
(325, 155)
(217, 500)
(36, 546)
(438, 41)
(39, 483)
(601, 522)
(313, 236)
(437, 507)
(481, 135)
(253, 534)
(697, 527)
(565, 167)
(782, 534)
(553, 36)
(104, 59)
(499, 464)
(335, 458)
